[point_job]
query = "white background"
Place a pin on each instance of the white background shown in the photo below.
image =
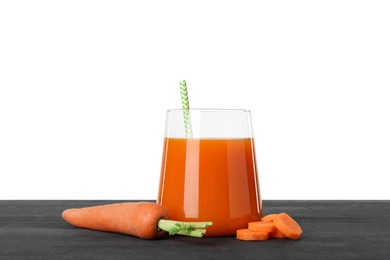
(84, 87)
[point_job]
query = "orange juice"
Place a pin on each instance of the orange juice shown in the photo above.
(211, 180)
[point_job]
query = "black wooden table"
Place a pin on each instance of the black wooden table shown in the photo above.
(331, 230)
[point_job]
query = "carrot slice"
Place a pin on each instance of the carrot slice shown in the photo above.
(262, 226)
(288, 226)
(248, 235)
(269, 218)
(276, 234)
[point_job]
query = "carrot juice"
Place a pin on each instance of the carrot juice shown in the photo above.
(211, 179)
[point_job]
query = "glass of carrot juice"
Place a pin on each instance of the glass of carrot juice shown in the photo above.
(209, 169)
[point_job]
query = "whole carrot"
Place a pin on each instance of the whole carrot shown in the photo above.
(146, 220)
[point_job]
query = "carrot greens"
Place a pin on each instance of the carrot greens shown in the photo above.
(193, 229)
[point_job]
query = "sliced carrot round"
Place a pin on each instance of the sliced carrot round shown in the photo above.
(269, 218)
(262, 226)
(287, 226)
(248, 235)
(276, 234)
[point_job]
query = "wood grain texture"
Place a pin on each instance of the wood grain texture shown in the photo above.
(332, 230)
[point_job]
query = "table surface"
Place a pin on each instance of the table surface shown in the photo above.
(31, 229)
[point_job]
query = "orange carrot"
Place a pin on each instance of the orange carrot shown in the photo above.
(249, 235)
(276, 234)
(269, 218)
(262, 226)
(142, 219)
(285, 224)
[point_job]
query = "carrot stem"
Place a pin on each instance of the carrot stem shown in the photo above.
(194, 233)
(193, 229)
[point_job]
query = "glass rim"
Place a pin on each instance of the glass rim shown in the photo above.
(210, 110)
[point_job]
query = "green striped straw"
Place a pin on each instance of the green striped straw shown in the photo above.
(186, 108)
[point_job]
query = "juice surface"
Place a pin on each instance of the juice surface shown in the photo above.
(211, 180)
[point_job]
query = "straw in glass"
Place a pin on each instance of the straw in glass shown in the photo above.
(186, 108)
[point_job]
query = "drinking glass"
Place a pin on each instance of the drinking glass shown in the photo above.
(209, 169)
